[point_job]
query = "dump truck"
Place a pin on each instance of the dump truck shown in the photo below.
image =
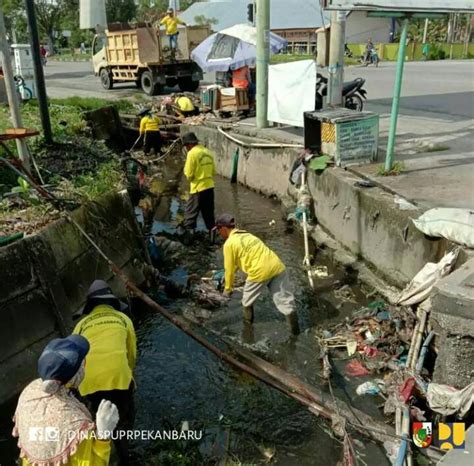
(141, 54)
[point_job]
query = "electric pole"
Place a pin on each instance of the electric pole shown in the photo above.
(39, 74)
(336, 58)
(425, 31)
(6, 60)
(263, 57)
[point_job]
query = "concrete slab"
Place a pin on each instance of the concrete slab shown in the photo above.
(458, 457)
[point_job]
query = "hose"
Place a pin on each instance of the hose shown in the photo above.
(257, 144)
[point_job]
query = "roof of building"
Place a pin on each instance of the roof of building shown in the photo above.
(290, 14)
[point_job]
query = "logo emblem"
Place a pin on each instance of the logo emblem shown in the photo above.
(451, 435)
(422, 434)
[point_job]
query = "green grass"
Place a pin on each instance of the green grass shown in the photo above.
(397, 168)
(284, 58)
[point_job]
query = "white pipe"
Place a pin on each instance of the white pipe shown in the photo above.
(244, 144)
(306, 260)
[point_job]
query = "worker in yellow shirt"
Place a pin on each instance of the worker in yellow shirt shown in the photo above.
(52, 425)
(244, 251)
(112, 357)
(150, 131)
(170, 21)
(199, 170)
(185, 107)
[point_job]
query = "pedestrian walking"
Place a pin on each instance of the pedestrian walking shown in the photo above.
(264, 269)
(112, 357)
(52, 425)
(150, 131)
(170, 21)
(199, 170)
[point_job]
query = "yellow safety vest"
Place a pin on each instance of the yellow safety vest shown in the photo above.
(200, 169)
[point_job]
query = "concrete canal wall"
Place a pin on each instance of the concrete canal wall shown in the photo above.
(368, 224)
(44, 279)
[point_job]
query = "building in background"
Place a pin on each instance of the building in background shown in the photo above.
(295, 20)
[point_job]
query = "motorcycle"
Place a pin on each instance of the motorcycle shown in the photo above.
(372, 58)
(352, 93)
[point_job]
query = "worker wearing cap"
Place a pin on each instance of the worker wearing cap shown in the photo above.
(52, 425)
(170, 21)
(199, 170)
(150, 131)
(112, 356)
(244, 251)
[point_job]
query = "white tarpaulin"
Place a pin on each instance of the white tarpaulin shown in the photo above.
(291, 91)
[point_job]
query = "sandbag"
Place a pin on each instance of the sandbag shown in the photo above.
(456, 225)
(423, 282)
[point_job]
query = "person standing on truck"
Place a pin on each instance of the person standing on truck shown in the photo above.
(150, 131)
(200, 170)
(170, 21)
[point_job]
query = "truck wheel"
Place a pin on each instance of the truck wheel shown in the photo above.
(148, 85)
(106, 79)
(187, 84)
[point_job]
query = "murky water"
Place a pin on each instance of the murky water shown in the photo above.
(178, 380)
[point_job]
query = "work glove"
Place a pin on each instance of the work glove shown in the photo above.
(106, 419)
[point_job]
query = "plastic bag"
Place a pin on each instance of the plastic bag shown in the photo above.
(448, 400)
(422, 283)
(453, 224)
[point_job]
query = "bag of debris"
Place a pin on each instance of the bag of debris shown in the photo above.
(422, 283)
(456, 225)
(448, 400)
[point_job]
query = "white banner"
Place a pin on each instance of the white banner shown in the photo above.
(291, 91)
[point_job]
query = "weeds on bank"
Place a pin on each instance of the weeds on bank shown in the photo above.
(397, 168)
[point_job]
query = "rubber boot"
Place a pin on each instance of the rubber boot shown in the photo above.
(248, 335)
(292, 320)
(248, 314)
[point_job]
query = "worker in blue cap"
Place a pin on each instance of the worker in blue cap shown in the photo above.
(54, 427)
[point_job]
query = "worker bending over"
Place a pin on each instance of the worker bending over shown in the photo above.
(112, 357)
(263, 267)
(170, 21)
(199, 170)
(52, 425)
(184, 107)
(150, 131)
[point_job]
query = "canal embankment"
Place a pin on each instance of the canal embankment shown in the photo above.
(371, 227)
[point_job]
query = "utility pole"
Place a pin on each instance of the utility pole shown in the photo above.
(396, 97)
(336, 58)
(6, 60)
(263, 57)
(425, 31)
(39, 74)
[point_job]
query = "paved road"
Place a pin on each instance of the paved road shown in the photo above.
(443, 87)
(436, 112)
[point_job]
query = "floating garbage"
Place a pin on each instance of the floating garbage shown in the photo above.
(371, 388)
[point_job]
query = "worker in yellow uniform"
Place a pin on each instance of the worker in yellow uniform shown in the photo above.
(185, 107)
(244, 251)
(112, 357)
(199, 170)
(150, 131)
(170, 21)
(52, 425)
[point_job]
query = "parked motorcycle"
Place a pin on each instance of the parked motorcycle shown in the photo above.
(371, 59)
(352, 93)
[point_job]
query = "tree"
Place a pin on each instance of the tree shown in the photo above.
(15, 20)
(50, 16)
(120, 11)
(202, 20)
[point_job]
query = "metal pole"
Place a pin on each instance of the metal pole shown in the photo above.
(336, 58)
(6, 61)
(263, 56)
(396, 97)
(425, 31)
(39, 75)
